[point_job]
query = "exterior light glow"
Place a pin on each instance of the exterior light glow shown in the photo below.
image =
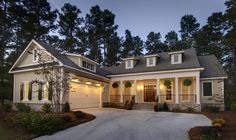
(75, 80)
(88, 83)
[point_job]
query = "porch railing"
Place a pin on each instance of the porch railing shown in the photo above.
(116, 98)
(183, 98)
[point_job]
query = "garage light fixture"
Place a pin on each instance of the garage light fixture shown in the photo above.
(75, 80)
(88, 83)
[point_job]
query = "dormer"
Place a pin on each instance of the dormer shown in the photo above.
(151, 60)
(130, 62)
(83, 61)
(176, 57)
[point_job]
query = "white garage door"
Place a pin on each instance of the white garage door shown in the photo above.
(84, 96)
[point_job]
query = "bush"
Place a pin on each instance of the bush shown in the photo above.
(190, 109)
(6, 107)
(165, 107)
(176, 109)
(79, 114)
(66, 107)
(21, 107)
(212, 108)
(155, 107)
(233, 107)
(46, 108)
(38, 123)
(66, 118)
(218, 121)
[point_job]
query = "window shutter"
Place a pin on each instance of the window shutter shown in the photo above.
(50, 91)
(30, 90)
(40, 91)
(21, 91)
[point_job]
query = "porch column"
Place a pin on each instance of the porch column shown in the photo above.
(197, 90)
(177, 90)
(135, 90)
(158, 90)
(121, 91)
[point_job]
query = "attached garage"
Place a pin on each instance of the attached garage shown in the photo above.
(84, 96)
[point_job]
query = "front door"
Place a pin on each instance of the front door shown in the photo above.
(149, 93)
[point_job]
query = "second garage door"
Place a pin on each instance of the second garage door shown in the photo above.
(84, 96)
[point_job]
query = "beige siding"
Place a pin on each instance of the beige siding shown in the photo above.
(217, 93)
(75, 59)
(27, 58)
(25, 76)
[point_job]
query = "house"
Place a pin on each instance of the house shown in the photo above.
(181, 79)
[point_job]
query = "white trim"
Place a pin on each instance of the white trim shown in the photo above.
(85, 72)
(131, 64)
(176, 52)
(79, 55)
(213, 78)
(36, 43)
(151, 55)
(130, 58)
(14, 87)
(211, 88)
(179, 56)
(156, 72)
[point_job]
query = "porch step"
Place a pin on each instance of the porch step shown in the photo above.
(143, 106)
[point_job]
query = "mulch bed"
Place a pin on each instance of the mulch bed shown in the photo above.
(228, 130)
(5, 119)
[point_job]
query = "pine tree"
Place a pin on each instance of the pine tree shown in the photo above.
(153, 43)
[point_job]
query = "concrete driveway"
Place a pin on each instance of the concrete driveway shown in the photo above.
(115, 124)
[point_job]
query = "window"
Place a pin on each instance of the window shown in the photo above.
(87, 65)
(35, 55)
(169, 93)
(207, 89)
(150, 61)
(176, 58)
(128, 63)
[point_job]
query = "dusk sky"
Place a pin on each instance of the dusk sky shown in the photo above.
(143, 16)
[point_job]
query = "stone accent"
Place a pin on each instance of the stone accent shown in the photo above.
(195, 107)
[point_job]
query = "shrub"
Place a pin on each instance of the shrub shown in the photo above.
(66, 118)
(212, 108)
(155, 107)
(176, 109)
(190, 109)
(79, 114)
(21, 107)
(38, 123)
(165, 107)
(233, 107)
(218, 121)
(46, 108)
(66, 107)
(6, 107)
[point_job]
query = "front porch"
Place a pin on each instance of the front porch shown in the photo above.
(177, 90)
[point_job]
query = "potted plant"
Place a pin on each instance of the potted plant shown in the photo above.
(187, 82)
(167, 83)
(115, 87)
(127, 87)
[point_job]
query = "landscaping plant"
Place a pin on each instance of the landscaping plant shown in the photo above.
(233, 107)
(21, 107)
(66, 107)
(46, 108)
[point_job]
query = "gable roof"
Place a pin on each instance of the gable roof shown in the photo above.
(212, 67)
(190, 61)
(63, 61)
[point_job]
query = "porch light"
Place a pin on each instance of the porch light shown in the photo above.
(98, 85)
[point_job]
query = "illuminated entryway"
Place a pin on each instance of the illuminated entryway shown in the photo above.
(84, 94)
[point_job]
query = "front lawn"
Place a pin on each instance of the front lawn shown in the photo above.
(228, 131)
(30, 124)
